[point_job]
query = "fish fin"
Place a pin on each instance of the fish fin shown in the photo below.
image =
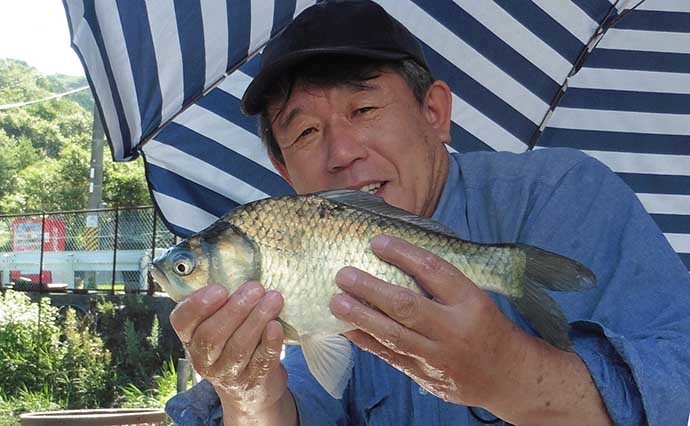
(376, 205)
(291, 334)
(545, 315)
(329, 359)
(550, 271)
(555, 272)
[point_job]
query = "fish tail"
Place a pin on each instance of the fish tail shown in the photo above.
(549, 271)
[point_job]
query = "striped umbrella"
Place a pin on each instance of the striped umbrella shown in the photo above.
(611, 78)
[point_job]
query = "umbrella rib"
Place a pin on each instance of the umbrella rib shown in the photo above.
(612, 18)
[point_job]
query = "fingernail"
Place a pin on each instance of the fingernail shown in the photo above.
(341, 304)
(380, 242)
(251, 292)
(273, 330)
(269, 302)
(213, 293)
(346, 277)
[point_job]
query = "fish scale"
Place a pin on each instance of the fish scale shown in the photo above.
(297, 244)
(300, 254)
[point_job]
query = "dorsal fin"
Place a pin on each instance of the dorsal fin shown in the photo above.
(376, 205)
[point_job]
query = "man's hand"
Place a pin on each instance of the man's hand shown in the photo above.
(449, 344)
(459, 346)
(234, 343)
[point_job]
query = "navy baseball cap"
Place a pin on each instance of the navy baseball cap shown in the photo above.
(341, 27)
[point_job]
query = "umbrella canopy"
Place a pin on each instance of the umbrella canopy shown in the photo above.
(611, 78)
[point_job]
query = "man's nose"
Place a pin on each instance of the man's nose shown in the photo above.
(345, 145)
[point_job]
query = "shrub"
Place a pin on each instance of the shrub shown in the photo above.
(165, 387)
(87, 364)
(26, 401)
(30, 350)
(49, 362)
(133, 334)
(39, 359)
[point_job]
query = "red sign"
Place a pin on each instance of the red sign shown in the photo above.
(26, 235)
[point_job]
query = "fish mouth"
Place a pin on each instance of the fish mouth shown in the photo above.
(159, 277)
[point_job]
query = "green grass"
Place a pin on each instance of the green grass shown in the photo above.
(109, 286)
(26, 402)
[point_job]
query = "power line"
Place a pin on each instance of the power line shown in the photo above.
(22, 104)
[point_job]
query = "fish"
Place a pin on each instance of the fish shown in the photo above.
(296, 244)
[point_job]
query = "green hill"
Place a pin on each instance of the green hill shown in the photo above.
(45, 147)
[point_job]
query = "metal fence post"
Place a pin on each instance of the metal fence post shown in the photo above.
(43, 235)
(117, 223)
(150, 286)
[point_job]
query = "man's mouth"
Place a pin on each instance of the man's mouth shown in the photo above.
(372, 188)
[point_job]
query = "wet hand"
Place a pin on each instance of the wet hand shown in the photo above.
(235, 342)
(456, 344)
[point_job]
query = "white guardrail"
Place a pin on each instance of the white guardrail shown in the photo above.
(63, 264)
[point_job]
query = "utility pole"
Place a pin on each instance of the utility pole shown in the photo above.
(96, 165)
(91, 230)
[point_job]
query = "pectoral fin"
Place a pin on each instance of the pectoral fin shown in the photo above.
(329, 359)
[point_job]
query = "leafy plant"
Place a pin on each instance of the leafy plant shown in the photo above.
(26, 401)
(132, 331)
(30, 348)
(165, 387)
(87, 362)
(37, 356)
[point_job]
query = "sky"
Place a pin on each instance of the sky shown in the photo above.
(36, 32)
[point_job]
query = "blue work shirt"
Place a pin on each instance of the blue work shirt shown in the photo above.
(632, 330)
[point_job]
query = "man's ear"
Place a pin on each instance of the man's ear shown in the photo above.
(437, 108)
(280, 167)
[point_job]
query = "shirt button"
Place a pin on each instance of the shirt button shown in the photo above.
(422, 391)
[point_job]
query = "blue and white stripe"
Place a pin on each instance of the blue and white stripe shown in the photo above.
(506, 62)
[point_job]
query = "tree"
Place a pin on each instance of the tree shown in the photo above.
(45, 147)
(124, 184)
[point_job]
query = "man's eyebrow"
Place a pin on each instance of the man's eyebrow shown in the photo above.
(355, 87)
(289, 117)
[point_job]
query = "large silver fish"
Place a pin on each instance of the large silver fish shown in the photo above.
(296, 244)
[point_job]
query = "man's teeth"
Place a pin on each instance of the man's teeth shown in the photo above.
(371, 188)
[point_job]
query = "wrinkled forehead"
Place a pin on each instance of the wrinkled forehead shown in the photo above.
(301, 90)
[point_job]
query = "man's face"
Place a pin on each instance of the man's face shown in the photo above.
(375, 138)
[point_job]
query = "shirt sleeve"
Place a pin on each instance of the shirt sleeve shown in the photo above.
(632, 330)
(200, 405)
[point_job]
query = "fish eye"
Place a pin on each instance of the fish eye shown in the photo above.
(183, 264)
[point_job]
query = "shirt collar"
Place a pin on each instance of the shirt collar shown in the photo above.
(451, 208)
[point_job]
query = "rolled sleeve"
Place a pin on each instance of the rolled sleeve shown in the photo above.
(199, 406)
(610, 371)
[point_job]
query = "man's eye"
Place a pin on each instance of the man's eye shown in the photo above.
(307, 132)
(364, 110)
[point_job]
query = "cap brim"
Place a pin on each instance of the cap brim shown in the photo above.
(253, 98)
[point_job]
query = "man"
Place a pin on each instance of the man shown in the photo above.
(359, 109)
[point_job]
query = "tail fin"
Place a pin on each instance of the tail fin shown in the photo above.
(550, 271)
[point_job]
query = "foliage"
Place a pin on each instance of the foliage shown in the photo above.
(164, 388)
(60, 362)
(30, 348)
(45, 147)
(137, 350)
(87, 361)
(37, 355)
(124, 184)
(24, 402)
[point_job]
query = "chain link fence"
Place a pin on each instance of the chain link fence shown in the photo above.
(104, 250)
